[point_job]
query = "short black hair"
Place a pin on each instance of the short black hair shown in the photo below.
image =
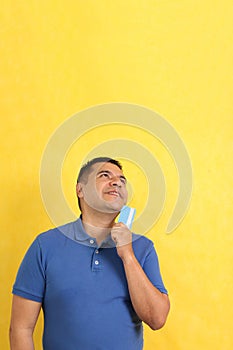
(87, 168)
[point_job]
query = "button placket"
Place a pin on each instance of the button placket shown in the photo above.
(96, 261)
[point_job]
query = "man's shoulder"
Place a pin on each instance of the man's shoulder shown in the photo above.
(143, 247)
(56, 233)
(141, 239)
(142, 242)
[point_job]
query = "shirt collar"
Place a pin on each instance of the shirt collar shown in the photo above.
(81, 236)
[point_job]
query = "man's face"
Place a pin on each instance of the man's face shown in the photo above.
(105, 190)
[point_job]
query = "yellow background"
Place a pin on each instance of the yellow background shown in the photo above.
(59, 57)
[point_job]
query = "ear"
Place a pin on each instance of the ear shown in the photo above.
(79, 190)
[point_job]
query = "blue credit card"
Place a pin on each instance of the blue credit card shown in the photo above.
(127, 215)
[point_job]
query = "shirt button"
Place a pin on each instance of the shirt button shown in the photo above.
(97, 252)
(96, 262)
(91, 241)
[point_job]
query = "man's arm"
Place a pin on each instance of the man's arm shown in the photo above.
(149, 303)
(23, 320)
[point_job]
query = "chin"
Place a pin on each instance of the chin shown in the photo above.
(114, 208)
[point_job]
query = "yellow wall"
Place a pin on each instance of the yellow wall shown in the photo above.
(59, 57)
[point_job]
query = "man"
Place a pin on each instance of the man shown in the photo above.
(94, 279)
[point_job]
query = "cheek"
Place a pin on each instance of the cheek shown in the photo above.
(101, 186)
(96, 191)
(125, 194)
(89, 191)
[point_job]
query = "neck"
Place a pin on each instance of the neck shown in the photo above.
(98, 225)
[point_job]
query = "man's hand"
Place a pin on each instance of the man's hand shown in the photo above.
(122, 236)
(149, 303)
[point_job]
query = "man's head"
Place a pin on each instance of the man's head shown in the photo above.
(101, 185)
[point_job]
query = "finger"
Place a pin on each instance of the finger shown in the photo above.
(119, 224)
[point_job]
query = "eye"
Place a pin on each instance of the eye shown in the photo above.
(104, 175)
(123, 181)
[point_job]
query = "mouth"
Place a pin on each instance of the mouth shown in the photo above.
(113, 193)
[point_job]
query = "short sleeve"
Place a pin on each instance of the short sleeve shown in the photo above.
(30, 279)
(152, 270)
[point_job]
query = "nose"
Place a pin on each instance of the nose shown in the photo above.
(115, 181)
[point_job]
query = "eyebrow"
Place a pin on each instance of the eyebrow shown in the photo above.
(110, 173)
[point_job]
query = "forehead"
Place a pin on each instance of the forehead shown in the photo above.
(107, 166)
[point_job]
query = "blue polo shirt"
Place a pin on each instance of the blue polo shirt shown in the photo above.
(83, 289)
